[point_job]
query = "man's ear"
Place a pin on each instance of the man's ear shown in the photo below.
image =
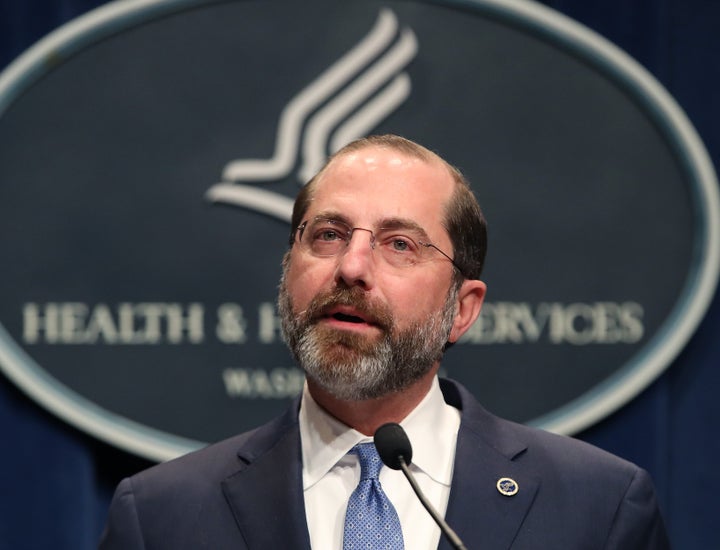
(470, 300)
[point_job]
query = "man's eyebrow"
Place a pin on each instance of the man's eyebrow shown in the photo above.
(333, 215)
(404, 224)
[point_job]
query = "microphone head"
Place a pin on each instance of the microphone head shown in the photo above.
(391, 443)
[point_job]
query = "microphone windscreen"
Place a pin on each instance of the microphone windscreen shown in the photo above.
(391, 443)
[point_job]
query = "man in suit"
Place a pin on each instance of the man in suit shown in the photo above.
(382, 275)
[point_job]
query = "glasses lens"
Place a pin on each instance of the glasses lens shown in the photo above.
(325, 237)
(398, 248)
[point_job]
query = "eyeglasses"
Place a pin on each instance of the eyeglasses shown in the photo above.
(398, 246)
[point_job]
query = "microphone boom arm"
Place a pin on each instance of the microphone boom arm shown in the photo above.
(444, 527)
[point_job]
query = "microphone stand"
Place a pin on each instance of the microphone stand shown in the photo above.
(444, 527)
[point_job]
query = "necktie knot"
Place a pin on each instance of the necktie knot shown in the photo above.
(370, 462)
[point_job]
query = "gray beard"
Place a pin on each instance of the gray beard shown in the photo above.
(349, 366)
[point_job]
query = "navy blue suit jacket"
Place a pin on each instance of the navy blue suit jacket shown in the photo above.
(246, 493)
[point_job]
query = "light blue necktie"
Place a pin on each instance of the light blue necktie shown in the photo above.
(371, 520)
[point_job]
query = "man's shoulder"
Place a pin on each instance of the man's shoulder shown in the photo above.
(537, 448)
(569, 455)
(215, 462)
(576, 495)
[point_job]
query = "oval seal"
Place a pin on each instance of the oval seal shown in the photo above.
(150, 152)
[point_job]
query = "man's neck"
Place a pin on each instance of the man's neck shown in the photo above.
(368, 415)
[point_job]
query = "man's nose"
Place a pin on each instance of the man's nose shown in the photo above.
(356, 264)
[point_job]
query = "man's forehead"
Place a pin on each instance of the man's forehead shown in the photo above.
(374, 157)
(380, 187)
(389, 166)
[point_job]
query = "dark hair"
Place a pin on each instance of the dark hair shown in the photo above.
(464, 220)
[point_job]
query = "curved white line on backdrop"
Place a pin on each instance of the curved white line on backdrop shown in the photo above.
(16, 364)
(701, 284)
(321, 124)
(52, 49)
(374, 111)
(293, 115)
(254, 198)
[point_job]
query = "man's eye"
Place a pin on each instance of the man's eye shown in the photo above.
(328, 235)
(400, 244)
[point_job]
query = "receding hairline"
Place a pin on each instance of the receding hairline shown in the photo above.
(388, 142)
(397, 144)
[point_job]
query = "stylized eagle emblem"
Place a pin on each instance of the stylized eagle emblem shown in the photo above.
(346, 101)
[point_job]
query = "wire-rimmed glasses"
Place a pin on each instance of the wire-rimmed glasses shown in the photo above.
(399, 245)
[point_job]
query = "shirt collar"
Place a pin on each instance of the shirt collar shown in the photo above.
(432, 428)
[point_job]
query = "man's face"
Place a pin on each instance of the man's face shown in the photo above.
(361, 324)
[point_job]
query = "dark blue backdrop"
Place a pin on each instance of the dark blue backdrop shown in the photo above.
(56, 482)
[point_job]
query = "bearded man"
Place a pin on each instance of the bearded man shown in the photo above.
(382, 275)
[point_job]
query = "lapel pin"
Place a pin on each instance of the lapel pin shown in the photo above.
(507, 486)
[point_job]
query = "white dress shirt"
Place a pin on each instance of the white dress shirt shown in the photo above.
(330, 475)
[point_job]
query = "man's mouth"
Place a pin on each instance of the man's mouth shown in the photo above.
(348, 318)
(349, 310)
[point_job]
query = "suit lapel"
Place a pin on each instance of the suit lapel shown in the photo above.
(478, 512)
(266, 495)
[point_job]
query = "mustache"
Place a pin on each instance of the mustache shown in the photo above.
(371, 309)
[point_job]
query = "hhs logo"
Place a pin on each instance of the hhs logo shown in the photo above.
(345, 102)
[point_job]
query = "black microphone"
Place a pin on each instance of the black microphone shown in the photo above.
(395, 451)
